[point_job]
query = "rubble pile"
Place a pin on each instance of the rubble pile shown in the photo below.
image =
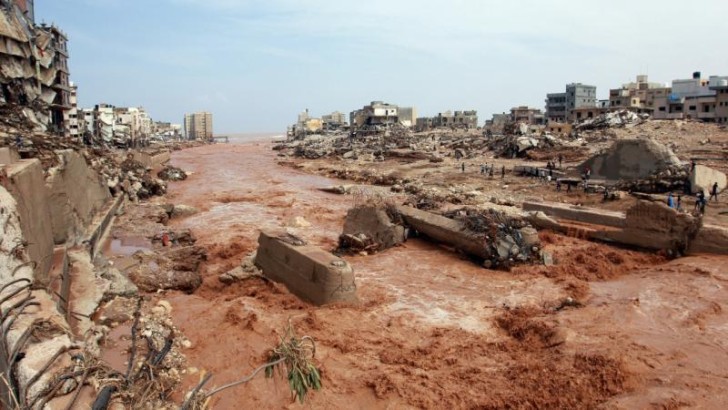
(508, 240)
(371, 228)
(170, 173)
(622, 118)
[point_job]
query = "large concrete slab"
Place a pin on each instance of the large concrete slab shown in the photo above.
(703, 178)
(307, 271)
(26, 184)
(577, 213)
(445, 230)
(76, 194)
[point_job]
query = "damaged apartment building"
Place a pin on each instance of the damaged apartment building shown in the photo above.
(459, 119)
(308, 125)
(34, 67)
(379, 114)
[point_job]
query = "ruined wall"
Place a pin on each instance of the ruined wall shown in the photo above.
(24, 180)
(76, 194)
(307, 271)
(631, 159)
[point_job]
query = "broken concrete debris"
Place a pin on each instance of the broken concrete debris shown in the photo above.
(308, 271)
(171, 173)
(623, 118)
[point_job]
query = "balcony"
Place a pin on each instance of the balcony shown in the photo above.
(706, 115)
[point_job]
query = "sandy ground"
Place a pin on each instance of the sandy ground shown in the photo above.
(434, 330)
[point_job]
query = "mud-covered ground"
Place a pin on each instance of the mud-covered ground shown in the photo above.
(434, 330)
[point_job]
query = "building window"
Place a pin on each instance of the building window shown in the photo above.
(691, 108)
(662, 109)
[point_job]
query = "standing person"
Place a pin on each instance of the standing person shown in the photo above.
(588, 173)
(503, 171)
(670, 200)
(679, 202)
(482, 169)
(699, 200)
(558, 185)
(462, 167)
(561, 158)
(490, 173)
(714, 192)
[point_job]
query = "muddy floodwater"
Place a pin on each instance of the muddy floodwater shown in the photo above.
(433, 329)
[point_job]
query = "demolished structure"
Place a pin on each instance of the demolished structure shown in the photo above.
(34, 67)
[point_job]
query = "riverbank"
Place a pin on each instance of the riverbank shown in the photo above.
(433, 329)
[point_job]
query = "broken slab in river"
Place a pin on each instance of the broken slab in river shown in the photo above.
(307, 271)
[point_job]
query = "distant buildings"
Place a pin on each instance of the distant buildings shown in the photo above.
(448, 119)
(639, 96)
(721, 100)
(696, 98)
(334, 121)
(198, 126)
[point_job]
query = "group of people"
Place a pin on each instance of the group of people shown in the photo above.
(700, 201)
(486, 170)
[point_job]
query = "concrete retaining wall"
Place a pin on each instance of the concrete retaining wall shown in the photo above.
(577, 213)
(307, 271)
(76, 194)
(710, 239)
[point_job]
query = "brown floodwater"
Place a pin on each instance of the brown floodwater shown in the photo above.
(425, 333)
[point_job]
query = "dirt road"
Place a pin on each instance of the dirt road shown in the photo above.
(434, 330)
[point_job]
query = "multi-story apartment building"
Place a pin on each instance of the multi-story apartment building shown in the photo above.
(198, 126)
(691, 99)
(559, 106)
(61, 83)
(721, 100)
(638, 96)
(70, 117)
(524, 114)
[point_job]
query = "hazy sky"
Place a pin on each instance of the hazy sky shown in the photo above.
(256, 63)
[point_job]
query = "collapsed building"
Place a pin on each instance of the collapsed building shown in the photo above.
(34, 67)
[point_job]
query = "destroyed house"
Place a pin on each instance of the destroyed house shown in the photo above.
(376, 113)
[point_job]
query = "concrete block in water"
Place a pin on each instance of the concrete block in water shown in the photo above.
(307, 271)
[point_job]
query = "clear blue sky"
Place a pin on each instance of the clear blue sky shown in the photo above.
(256, 63)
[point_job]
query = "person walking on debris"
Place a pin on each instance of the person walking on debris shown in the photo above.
(491, 171)
(606, 194)
(714, 192)
(558, 185)
(503, 171)
(568, 187)
(462, 167)
(678, 206)
(700, 202)
(670, 200)
(482, 169)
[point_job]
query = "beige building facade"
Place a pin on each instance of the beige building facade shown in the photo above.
(198, 125)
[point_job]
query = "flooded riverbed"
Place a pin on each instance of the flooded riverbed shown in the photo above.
(429, 330)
